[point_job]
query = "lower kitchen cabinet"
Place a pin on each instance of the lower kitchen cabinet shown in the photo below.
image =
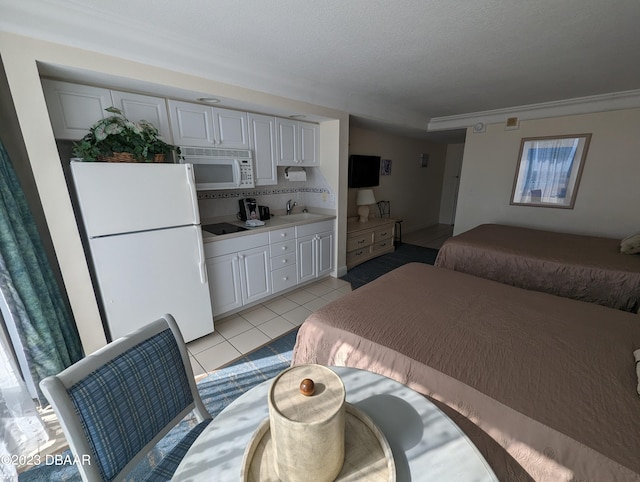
(315, 250)
(224, 283)
(245, 269)
(255, 274)
(239, 271)
(239, 278)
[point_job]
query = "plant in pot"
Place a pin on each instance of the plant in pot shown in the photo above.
(117, 139)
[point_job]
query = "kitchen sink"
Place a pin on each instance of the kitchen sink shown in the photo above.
(300, 217)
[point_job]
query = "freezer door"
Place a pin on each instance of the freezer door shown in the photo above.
(142, 276)
(116, 197)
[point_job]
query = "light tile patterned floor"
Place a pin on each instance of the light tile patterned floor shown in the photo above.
(431, 237)
(247, 330)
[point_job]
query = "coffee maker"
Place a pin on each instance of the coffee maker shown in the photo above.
(248, 209)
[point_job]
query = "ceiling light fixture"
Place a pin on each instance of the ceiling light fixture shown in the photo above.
(209, 100)
(297, 116)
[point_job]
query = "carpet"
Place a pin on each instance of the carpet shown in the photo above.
(218, 389)
(372, 269)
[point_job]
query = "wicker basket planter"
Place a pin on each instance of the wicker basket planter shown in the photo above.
(127, 157)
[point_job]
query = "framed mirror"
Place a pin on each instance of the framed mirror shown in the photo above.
(549, 170)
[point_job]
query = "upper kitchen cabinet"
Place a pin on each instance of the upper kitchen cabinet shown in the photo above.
(297, 143)
(263, 141)
(73, 108)
(137, 107)
(206, 126)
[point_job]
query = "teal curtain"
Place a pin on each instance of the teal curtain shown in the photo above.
(45, 326)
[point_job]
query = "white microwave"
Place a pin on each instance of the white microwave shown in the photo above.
(219, 168)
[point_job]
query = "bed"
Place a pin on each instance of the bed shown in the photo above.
(544, 386)
(585, 268)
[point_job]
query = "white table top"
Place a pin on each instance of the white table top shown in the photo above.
(426, 444)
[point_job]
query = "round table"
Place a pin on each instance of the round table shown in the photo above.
(426, 444)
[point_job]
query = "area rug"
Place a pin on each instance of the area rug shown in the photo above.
(372, 269)
(217, 389)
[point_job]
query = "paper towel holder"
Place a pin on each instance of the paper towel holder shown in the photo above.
(286, 170)
(298, 169)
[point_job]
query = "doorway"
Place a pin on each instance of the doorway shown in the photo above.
(451, 184)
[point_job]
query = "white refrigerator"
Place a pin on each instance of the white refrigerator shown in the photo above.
(143, 229)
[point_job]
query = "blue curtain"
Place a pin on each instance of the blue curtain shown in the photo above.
(45, 327)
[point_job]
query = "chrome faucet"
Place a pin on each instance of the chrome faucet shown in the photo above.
(290, 206)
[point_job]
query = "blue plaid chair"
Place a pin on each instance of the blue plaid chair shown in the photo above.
(117, 403)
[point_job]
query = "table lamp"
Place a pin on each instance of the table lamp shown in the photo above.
(364, 199)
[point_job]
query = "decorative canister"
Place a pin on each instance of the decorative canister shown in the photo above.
(307, 419)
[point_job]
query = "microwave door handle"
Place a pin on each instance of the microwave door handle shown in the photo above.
(236, 169)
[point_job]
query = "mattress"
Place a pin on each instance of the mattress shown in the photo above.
(585, 268)
(544, 386)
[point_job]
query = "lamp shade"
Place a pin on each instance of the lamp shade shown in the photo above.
(365, 197)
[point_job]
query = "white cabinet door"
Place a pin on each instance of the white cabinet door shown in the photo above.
(308, 134)
(224, 283)
(287, 142)
(74, 108)
(324, 247)
(297, 143)
(192, 124)
(307, 267)
(255, 272)
(137, 107)
(231, 128)
(263, 141)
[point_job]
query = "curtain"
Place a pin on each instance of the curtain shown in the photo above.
(549, 169)
(34, 303)
(21, 429)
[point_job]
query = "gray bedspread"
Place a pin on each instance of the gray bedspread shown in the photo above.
(585, 268)
(544, 386)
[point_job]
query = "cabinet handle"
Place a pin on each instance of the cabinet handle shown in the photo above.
(383, 234)
(361, 241)
(283, 234)
(284, 248)
(358, 253)
(284, 261)
(285, 278)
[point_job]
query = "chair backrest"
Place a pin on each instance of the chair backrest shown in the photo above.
(385, 209)
(118, 402)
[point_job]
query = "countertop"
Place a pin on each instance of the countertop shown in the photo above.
(276, 222)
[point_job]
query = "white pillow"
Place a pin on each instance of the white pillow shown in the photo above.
(630, 244)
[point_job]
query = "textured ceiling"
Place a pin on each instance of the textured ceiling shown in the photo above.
(402, 62)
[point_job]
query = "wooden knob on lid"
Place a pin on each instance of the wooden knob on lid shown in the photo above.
(307, 387)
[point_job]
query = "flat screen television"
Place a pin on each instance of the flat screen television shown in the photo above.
(364, 171)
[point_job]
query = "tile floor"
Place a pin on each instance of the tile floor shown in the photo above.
(431, 237)
(247, 330)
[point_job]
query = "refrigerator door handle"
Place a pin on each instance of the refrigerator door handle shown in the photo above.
(202, 263)
(191, 180)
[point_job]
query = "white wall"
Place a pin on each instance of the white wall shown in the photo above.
(21, 56)
(608, 197)
(414, 191)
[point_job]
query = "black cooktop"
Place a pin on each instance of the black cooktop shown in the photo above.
(223, 228)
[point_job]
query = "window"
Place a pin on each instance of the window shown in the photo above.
(549, 170)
